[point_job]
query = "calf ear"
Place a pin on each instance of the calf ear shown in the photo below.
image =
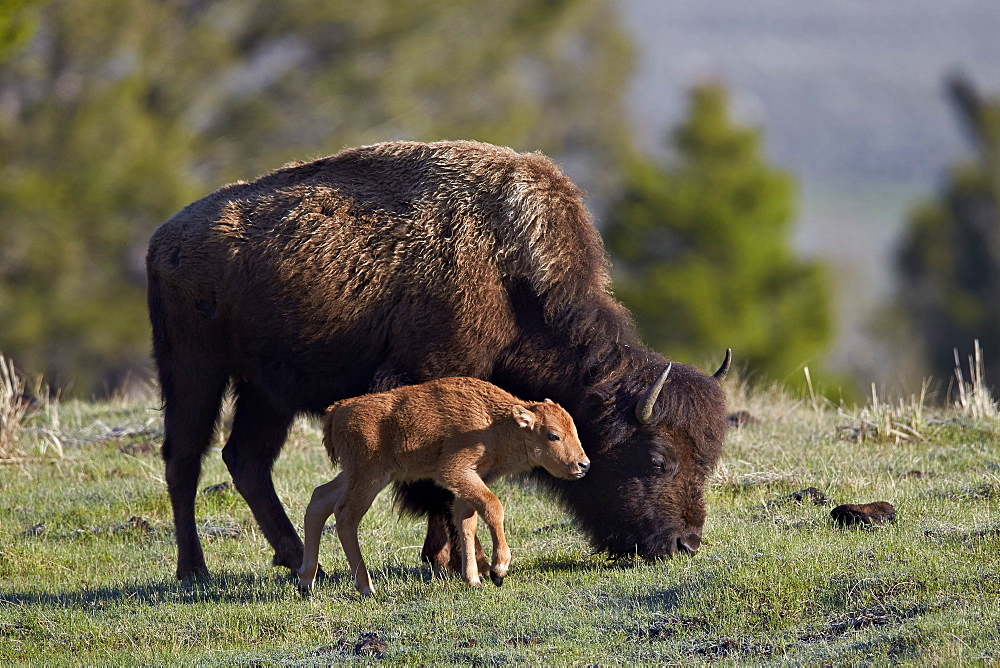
(549, 401)
(523, 416)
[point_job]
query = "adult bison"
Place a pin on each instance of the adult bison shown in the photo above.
(399, 263)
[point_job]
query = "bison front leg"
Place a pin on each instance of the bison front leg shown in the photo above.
(441, 545)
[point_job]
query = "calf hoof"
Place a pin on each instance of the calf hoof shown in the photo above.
(497, 579)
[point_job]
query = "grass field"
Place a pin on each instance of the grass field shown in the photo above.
(87, 556)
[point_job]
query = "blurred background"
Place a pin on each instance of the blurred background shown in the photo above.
(813, 184)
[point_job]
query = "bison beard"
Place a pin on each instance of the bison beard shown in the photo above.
(400, 263)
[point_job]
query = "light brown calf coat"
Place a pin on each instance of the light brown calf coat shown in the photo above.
(459, 432)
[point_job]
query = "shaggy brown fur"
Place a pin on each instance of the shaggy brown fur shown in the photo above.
(459, 432)
(400, 263)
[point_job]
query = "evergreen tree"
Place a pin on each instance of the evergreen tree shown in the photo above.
(702, 251)
(114, 114)
(949, 260)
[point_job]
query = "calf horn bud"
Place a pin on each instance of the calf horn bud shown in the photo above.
(720, 375)
(644, 409)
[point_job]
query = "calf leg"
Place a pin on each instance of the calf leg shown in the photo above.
(355, 500)
(324, 500)
(259, 431)
(440, 550)
(470, 488)
(466, 520)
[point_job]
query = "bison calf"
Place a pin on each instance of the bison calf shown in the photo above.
(460, 432)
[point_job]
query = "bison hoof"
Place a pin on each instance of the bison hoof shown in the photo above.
(196, 574)
(305, 590)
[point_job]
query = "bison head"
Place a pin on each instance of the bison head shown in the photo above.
(654, 438)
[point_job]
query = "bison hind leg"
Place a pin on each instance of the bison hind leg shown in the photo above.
(192, 398)
(424, 498)
(259, 431)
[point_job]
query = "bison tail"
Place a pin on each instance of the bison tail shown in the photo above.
(161, 338)
(422, 498)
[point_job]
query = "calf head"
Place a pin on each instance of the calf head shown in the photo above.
(551, 439)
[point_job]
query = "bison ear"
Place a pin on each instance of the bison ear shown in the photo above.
(523, 417)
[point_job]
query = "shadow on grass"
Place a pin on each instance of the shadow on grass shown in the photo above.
(224, 587)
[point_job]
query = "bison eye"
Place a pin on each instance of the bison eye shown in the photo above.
(662, 467)
(554, 437)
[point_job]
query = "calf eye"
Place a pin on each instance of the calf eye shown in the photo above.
(554, 437)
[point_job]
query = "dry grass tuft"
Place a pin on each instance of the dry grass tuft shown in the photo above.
(883, 421)
(974, 399)
(16, 406)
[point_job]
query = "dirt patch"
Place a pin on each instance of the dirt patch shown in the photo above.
(982, 491)
(220, 527)
(859, 619)
(369, 644)
(958, 534)
(134, 524)
(726, 646)
(667, 627)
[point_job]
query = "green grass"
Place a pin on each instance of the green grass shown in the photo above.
(87, 557)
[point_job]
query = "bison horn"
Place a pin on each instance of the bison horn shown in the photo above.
(644, 409)
(720, 375)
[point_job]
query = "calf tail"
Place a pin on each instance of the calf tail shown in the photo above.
(328, 440)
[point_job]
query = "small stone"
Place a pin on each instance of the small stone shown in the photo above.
(140, 524)
(37, 530)
(869, 514)
(221, 488)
